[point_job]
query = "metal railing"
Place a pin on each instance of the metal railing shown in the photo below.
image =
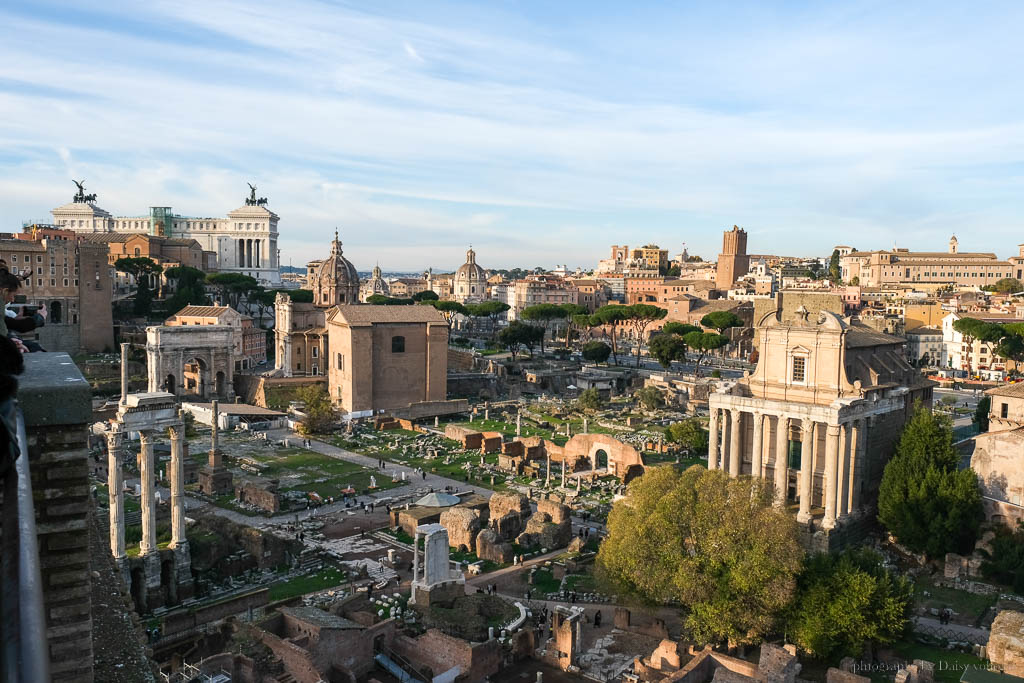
(25, 653)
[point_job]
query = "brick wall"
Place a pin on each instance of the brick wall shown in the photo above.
(441, 652)
(56, 403)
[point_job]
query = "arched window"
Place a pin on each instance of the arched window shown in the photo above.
(398, 344)
(55, 312)
(137, 251)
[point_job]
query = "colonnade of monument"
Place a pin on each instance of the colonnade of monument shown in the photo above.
(768, 456)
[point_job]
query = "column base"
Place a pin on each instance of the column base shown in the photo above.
(151, 572)
(215, 481)
(828, 523)
(804, 517)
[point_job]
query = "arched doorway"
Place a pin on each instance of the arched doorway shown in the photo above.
(56, 312)
(170, 384)
(600, 459)
(196, 378)
(219, 388)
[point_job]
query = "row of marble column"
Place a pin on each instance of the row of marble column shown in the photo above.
(842, 454)
(115, 484)
(250, 253)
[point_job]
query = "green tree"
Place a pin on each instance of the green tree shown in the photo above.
(1009, 285)
(835, 274)
(571, 314)
(640, 316)
(925, 500)
(188, 289)
(544, 314)
(318, 409)
(703, 342)
(596, 352)
(713, 544)
(1011, 347)
(650, 398)
(721, 321)
(382, 300)
(689, 433)
(1003, 560)
(674, 271)
(299, 296)
(855, 281)
(233, 287)
(518, 335)
(448, 309)
(980, 418)
(491, 309)
(140, 268)
(666, 348)
(589, 400)
(681, 329)
(611, 316)
(585, 321)
(425, 295)
(844, 602)
(970, 329)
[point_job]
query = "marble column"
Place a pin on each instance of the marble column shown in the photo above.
(858, 443)
(713, 440)
(124, 372)
(115, 486)
(148, 544)
(831, 472)
(735, 444)
(215, 457)
(806, 471)
(177, 478)
(782, 459)
(757, 456)
(843, 470)
(415, 557)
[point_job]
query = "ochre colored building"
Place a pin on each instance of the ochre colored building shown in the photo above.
(386, 357)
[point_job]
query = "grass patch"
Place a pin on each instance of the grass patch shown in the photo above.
(310, 583)
(949, 665)
(969, 605)
(544, 581)
(581, 583)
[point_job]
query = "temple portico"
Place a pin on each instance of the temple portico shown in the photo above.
(819, 416)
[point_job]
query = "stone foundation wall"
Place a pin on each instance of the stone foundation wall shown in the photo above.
(440, 652)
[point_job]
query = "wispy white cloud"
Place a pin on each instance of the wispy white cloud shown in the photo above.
(535, 139)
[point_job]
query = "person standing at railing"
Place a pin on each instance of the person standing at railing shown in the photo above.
(12, 322)
(11, 364)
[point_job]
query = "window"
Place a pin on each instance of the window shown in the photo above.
(799, 368)
(316, 353)
(398, 344)
(1004, 410)
(341, 362)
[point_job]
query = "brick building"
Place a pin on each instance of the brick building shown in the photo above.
(386, 357)
(73, 280)
(733, 262)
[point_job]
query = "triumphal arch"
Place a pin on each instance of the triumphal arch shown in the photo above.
(191, 361)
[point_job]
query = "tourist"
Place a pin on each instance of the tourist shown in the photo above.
(424, 474)
(597, 619)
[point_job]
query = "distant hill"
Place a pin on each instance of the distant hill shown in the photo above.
(292, 269)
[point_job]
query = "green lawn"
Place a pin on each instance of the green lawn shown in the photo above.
(310, 583)
(949, 666)
(582, 583)
(544, 581)
(970, 605)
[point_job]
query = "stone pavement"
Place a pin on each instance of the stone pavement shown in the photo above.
(951, 631)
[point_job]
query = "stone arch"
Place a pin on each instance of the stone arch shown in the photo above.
(206, 349)
(619, 455)
(600, 459)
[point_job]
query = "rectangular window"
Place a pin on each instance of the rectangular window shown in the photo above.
(1004, 410)
(799, 368)
(341, 362)
(316, 353)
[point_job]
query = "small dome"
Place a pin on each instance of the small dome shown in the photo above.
(470, 271)
(438, 500)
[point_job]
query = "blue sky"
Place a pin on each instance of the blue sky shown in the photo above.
(539, 132)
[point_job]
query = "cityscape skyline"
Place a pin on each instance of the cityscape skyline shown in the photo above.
(514, 127)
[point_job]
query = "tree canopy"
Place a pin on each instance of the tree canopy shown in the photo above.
(596, 352)
(721, 320)
(382, 300)
(980, 417)
(589, 400)
(640, 316)
(611, 315)
(518, 335)
(233, 287)
(425, 295)
(716, 545)
(925, 500)
(835, 274)
(689, 433)
(844, 602)
(650, 398)
(319, 411)
(189, 288)
(449, 309)
(1003, 560)
(1008, 285)
(666, 348)
(702, 342)
(140, 267)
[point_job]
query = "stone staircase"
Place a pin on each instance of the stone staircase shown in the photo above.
(310, 560)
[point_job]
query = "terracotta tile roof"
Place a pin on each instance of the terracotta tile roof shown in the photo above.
(203, 311)
(1009, 390)
(859, 335)
(367, 314)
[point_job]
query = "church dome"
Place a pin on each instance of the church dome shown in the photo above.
(376, 285)
(470, 280)
(334, 280)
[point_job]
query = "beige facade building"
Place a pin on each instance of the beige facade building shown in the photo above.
(539, 289)
(998, 457)
(819, 416)
(244, 242)
(333, 280)
(73, 279)
(385, 358)
(250, 342)
(650, 257)
(953, 267)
